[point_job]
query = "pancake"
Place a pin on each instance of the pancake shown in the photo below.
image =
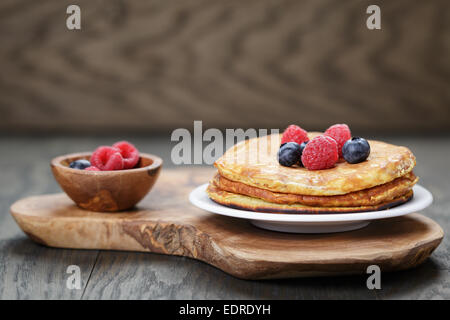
(243, 202)
(368, 197)
(254, 163)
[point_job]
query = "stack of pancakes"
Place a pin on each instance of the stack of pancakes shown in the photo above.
(249, 177)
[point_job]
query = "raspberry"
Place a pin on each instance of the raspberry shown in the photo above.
(294, 133)
(129, 154)
(107, 158)
(92, 168)
(341, 133)
(320, 153)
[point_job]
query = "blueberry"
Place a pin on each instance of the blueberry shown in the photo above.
(80, 164)
(289, 154)
(356, 150)
(302, 147)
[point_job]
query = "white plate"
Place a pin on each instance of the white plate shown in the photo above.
(312, 223)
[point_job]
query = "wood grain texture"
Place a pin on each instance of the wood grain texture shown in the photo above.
(131, 275)
(32, 271)
(154, 276)
(166, 223)
(159, 65)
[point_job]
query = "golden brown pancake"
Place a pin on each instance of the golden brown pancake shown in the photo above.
(243, 202)
(254, 163)
(367, 197)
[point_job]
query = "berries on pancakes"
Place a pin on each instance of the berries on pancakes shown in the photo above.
(294, 133)
(356, 150)
(302, 147)
(341, 133)
(320, 153)
(289, 154)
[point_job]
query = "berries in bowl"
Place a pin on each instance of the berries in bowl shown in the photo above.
(110, 179)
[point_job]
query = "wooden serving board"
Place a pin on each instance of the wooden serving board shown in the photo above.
(165, 222)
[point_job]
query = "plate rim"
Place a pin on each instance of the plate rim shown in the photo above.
(425, 199)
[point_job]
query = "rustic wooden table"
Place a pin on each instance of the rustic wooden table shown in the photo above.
(31, 271)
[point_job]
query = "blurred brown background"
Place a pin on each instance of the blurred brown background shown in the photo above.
(152, 66)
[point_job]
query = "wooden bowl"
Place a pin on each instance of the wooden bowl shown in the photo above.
(106, 191)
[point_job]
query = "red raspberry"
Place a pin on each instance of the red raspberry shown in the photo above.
(341, 133)
(129, 154)
(320, 153)
(107, 158)
(92, 168)
(294, 133)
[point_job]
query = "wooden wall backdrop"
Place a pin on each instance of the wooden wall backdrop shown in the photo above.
(159, 65)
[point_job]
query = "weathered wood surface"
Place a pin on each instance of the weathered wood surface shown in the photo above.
(158, 65)
(31, 271)
(165, 222)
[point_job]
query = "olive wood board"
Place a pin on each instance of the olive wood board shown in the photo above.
(165, 222)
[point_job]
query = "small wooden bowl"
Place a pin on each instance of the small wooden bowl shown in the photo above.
(106, 191)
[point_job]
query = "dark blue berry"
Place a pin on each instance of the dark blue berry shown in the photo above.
(289, 154)
(302, 147)
(80, 164)
(356, 150)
